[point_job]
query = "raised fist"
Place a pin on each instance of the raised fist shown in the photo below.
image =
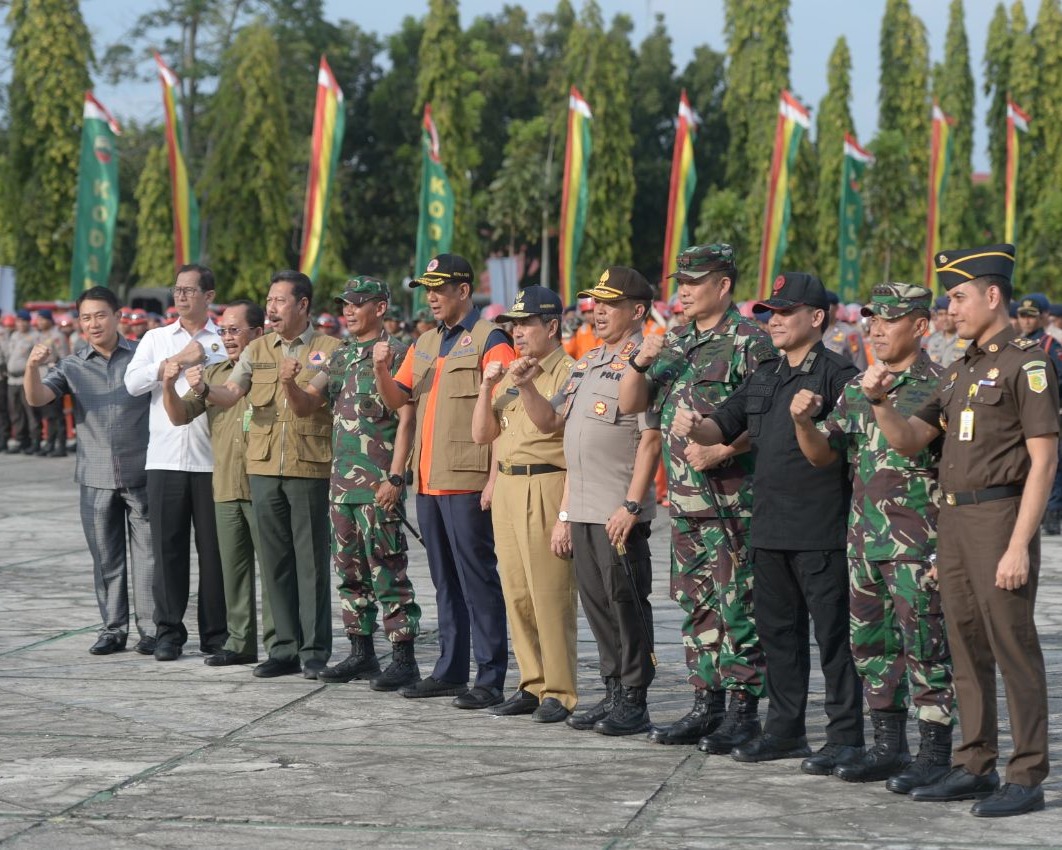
(493, 373)
(805, 406)
(649, 349)
(191, 354)
(524, 370)
(382, 354)
(171, 371)
(40, 354)
(289, 368)
(877, 380)
(194, 377)
(685, 421)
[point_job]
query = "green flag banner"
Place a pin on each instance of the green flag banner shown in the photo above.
(435, 230)
(856, 159)
(97, 199)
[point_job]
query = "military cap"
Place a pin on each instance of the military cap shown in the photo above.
(364, 288)
(445, 268)
(394, 312)
(532, 301)
(1012, 309)
(893, 300)
(833, 298)
(44, 313)
(1055, 310)
(697, 261)
(617, 283)
(1033, 304)
(960, 266)
(794, 289)
(424, 314)
(24, 315)
(942, 303)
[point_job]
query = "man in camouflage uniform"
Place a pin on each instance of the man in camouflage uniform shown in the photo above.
(944, 345)
(393, 322)
(370, 445)
(897, 625)
(697, 366)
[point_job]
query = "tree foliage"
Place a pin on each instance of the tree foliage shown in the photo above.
(153, 263)
(953, 87)
(998, 49)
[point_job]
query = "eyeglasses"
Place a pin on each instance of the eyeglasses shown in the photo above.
(231, 331)
(185, 291)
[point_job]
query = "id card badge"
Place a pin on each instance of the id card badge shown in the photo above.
(247, 420)
(966, 418)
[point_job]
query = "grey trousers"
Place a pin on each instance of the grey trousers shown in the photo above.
(106, 516)
(237, 542)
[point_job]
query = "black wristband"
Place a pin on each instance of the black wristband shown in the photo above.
(641, 370)
(396, 480)
(872, 400)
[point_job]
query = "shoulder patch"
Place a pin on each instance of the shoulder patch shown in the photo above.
(1023, 343)
(1035, 364)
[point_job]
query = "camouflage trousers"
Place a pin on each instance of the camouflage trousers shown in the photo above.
(711, 580)
(898, 641)
(369, 556)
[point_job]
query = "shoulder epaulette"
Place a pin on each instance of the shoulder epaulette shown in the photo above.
(1023, 343)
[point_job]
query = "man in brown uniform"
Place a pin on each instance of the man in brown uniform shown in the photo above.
(532, 543)
(998, 410)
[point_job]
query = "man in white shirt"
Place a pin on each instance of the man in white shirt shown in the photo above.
(179, 465)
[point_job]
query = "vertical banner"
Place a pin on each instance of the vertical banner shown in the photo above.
(185, 206)
(683, 182)
(329, 121)
(793, 121)
(575, 197)
(435, 229)
(1017, 120)
(939, 164)
(850, 216)
(97, 198)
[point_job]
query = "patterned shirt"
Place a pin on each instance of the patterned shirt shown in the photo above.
(699, 371)
(112, 425)
(893, 516)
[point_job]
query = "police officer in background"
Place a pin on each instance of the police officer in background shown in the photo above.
(944, 345)
(841, 336)
(998, 412)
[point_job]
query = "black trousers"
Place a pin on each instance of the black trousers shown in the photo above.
(177, 501)
(52, 413)
(614, 612)
(789, 586)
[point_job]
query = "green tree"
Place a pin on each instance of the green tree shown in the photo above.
(51, 56)
(249, 168)
(1023, 84)
(154, 221)
(519, 192)
(954, 88)
(800, 251)
(722, 219)
(833, 120)
(998, 48)
(704, 79)
(1046, 127)
(886, 186)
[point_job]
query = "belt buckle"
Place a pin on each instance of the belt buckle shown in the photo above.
(950, 498)
(507, 467)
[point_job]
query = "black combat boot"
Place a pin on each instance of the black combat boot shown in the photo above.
(31, 448)
(932, 762)
(587, 719)
(402, 670)
(889, 754)
(703, 719)
(629, 714)
(360, 664)
(60, 446)
(46, 446)
(741, 724)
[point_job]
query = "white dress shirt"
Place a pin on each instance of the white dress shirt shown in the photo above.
(180, 447)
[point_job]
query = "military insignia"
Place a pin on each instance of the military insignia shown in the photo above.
(942, 259)
(466, 339)
(617, 365)
(432, 266)
(604, 277)
(504, 422)
(1032, 364)
(316, 358)
(570, 387)
(581, 365)
(215, 347)
(1037, 379)
(993, 348)
(779, 282)
(953, 376)
(993, 373)
(627, 349)
(600, 408)
(1021, 342)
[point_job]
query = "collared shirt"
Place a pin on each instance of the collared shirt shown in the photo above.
(944, 348)
(178, 447)
(112, 425)
(795, 506)
(1012, 392)
(241, 375)
(19, 346)
(228, 436)
(520, 442)
(894, 497)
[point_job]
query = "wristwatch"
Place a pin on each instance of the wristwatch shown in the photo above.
(633, 508)
(872, 400)
(634, 364)
(204, 393)
(563, 516)
(396, 480)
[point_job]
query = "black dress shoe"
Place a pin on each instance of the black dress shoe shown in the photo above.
(273, 667)
(226, 658)
(522, 702)
(311, 668)
(146, 645)
(212, 650)
(432, 687)
(829, 757)
(107, 643)
(958, 784)
(1011, 799)
(768, 747)
(167, 652)
(551, 711)
(480, 696)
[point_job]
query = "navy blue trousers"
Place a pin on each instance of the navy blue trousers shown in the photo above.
(459, 538)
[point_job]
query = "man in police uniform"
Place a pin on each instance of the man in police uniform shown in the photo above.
(944, 345)
(891, 541)
(370, 447)
(611, 460)
(532, 541)
(288, 463)
(798, 531)
(843, 337)
(998, 411)
(697, 366)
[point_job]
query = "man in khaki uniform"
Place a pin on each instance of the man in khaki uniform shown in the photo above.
(532, 542)
(289, 459)
(241, 323)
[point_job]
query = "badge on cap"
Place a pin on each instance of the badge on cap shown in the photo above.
(604, 277)
(316, 358)
(466, 339)
(432, 265)
(779, 282)
(600, 408)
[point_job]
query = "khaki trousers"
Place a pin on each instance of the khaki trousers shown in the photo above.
(539, 588)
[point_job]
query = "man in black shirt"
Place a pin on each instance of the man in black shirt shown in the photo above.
(799, 516)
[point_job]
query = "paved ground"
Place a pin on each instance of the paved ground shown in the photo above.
(124, 751)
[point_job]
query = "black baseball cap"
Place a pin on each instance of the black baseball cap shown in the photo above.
(796, 289)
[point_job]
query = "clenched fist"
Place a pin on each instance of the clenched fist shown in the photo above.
(492, 374)
(171, 371)
(194, 377)
(289, 369)
(191, 354)
(805, 406)
(524, 370)
(382, 355)
(40, 354)
(649, 349)
(877, 380)
(685, 421)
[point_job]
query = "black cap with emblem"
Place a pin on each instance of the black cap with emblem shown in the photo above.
(794, 289)
(963, 265)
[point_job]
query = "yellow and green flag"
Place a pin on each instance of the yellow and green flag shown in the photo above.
(793, 121)
(856, 160)
(435, 229)
(939, 165)
(575, 197)
(185, 207)
(329, 122)
(683, 182)
(1017, 120)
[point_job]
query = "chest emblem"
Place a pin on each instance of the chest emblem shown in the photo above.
(617, 365)
(466, 340)
(993, 373)
(993, 348)
(316, 358)
(504, 422)
(581, 365)
(215, 347)
(600, 408)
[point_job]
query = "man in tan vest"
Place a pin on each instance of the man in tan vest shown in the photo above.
(289, 460)
(441, 375)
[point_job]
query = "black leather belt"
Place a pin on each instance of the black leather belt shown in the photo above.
(533, 469)
(990, 494)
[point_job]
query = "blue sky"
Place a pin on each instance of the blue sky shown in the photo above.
(815, 26)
